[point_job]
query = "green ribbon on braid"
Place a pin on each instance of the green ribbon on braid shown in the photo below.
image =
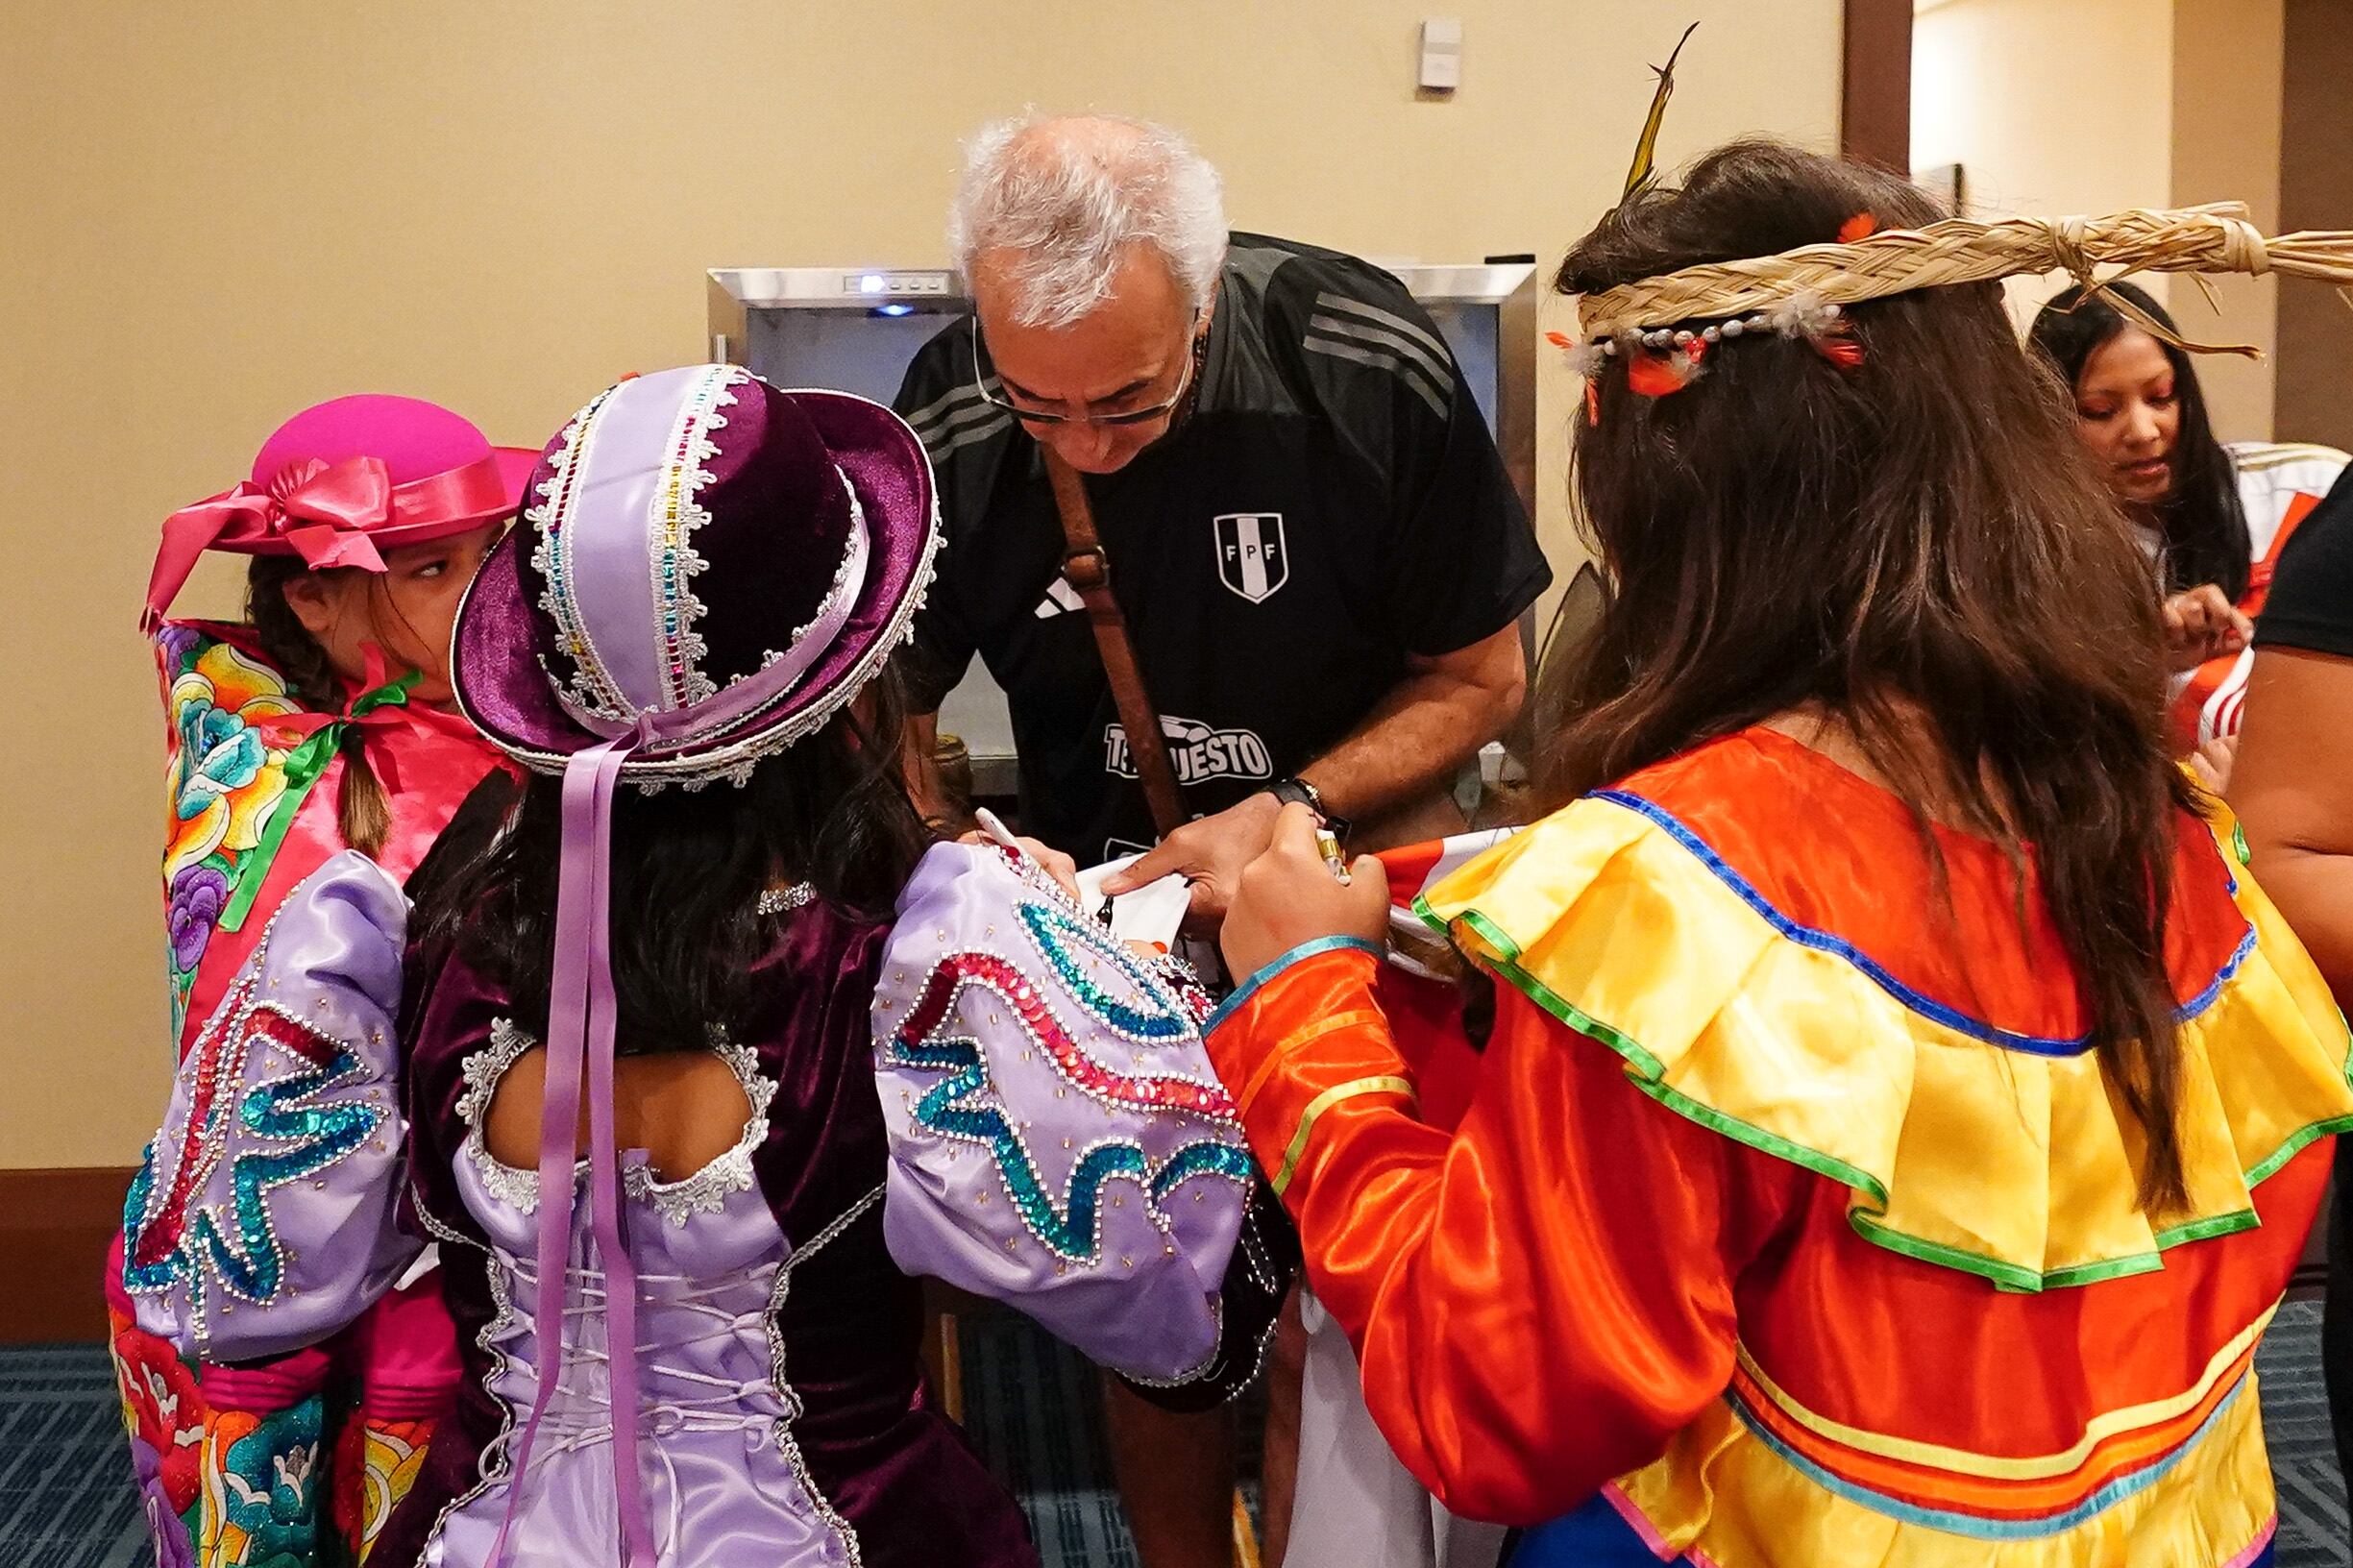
(302, 766)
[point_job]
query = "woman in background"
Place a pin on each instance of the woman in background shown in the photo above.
(2214, 515)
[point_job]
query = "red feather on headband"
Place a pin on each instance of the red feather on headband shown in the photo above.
(1663, 375)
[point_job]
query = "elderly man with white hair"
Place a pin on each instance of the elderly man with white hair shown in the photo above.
(1314, 550)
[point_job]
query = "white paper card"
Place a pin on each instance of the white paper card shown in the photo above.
(1152, 913)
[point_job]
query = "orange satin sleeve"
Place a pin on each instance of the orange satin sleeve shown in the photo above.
(1539, 1299)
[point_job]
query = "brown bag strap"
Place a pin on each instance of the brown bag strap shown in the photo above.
(1088, 571)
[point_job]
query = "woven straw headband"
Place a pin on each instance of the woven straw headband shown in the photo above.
(2213, 238)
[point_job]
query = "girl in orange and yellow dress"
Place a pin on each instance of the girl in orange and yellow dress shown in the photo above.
(1903, 1111)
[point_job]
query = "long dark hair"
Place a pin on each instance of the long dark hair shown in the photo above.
(2203, 523)
(1913, 547)
(363, 817)
(688, 868)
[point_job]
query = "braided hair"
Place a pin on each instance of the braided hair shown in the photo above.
(363, 817)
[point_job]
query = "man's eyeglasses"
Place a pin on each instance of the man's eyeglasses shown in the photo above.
(992, 391)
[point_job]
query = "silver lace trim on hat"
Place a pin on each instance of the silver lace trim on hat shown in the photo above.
(734, 761)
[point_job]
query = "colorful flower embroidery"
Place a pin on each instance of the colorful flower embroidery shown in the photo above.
(226, 776)
(164, 1414)
(167, 1533)
(392, 1458)
(176, 644)
(197, 895)
(261, 1475)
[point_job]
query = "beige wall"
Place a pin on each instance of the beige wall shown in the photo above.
(2052, 105)
(2059, 107)
(216, 214)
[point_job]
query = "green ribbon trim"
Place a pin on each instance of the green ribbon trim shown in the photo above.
(302, 769)
(1388, 1083)
(1644, 1070)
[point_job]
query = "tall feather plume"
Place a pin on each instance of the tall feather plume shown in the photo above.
(1647, 149)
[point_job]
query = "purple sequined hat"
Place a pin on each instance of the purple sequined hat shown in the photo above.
(708, 567)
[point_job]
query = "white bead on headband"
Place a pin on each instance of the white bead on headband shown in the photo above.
(1665, 359)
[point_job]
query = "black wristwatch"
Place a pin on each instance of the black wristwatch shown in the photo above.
(1297, 790)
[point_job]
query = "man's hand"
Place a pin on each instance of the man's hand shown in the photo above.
(1288, 896)
(1210, 854)
(2202, 625)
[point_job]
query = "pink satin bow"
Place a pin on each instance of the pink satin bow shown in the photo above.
(340, 501)
(325, 513)
(336, 500)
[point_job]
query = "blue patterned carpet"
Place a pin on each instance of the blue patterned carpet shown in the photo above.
(1033, 1409)
(66, 1497)
(2314, 1530)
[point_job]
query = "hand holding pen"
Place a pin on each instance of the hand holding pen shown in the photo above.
(1295, 894)
(1328, 845)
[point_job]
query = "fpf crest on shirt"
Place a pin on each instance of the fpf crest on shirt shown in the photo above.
(1251, 559)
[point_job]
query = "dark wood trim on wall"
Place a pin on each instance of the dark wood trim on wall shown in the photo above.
(55, 1229)
(1875, 109)
(2314, 398)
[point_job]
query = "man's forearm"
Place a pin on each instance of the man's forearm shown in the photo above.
(1445, 710)
(1414, 740)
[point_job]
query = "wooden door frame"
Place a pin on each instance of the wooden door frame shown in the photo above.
(1876, 101)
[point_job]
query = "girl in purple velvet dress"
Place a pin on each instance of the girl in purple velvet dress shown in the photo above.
(694, 1049)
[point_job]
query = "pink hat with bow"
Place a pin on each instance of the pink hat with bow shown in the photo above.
(340, 484)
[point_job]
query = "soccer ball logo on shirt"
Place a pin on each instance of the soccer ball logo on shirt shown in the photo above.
(1197, 752)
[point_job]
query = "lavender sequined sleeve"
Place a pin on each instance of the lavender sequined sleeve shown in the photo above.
(1058, 1140)
(261, 1219)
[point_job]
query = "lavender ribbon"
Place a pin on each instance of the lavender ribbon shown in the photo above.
(581, 1018)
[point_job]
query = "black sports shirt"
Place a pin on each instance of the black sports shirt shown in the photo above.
(1332, 504)
(2310, 604)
